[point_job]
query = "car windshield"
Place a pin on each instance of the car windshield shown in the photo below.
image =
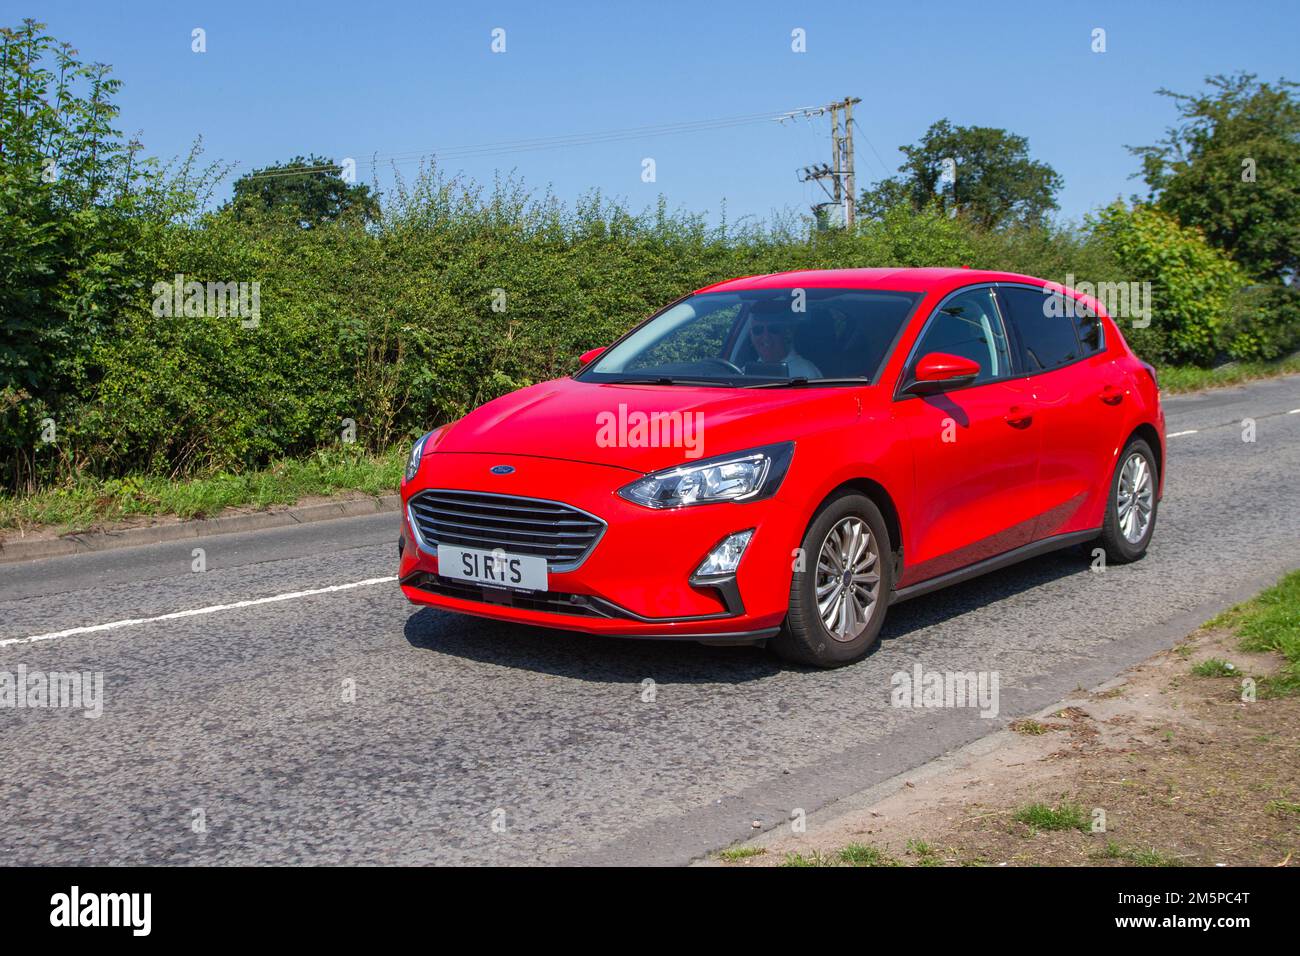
(761, 338)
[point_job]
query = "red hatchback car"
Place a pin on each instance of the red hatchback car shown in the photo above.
(780, 457)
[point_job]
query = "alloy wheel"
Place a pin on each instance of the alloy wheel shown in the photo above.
(848, 578)
(1135, 498)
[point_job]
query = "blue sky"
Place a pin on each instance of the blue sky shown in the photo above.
(356, 79)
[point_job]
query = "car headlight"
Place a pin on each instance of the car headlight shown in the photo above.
(742, 476)
(417, 452)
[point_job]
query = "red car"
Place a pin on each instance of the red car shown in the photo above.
(780, 457)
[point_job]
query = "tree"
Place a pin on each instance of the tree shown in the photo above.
(982, 173)
(1232, 168)
(311, 190)
(71, 192)
(82, 216)
(63, 176)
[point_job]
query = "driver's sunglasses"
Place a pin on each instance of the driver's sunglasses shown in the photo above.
(766, 328)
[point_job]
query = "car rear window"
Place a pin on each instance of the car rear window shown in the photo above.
(1088, 327)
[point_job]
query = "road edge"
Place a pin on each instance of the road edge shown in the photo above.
(12, 552)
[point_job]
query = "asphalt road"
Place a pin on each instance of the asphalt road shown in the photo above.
(474, 742)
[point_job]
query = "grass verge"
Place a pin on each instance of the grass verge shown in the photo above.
(1270, 621)
(1190, 378)
(1039, 816)
(744, 851)
(1137, 856)
(84, 502)
(855, 854)
(1214, 667)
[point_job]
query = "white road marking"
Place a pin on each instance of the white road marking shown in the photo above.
(1294, 411)
(1190, 431)
(194, 612)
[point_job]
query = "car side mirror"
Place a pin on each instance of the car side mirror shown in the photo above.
(590, 355)
(939, 372)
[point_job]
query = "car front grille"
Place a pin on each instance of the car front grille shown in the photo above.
(561, 534)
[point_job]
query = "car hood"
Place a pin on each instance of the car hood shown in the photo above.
(643, 428)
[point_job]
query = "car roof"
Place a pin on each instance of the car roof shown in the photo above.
(894, 280)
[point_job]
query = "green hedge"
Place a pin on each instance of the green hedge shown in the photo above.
(393, 326)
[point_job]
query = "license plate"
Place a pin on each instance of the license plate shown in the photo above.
(492, 567)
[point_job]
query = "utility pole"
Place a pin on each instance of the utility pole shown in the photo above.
(840, 170)
(837, 156)
(850, 186)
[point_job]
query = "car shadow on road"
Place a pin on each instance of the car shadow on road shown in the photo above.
(623, 660)
(584, 656)
(942, 607)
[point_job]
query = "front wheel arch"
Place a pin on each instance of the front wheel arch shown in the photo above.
(804, 638)
(888, 510)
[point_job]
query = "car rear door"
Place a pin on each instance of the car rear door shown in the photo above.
(974, 448)
(1080, 396)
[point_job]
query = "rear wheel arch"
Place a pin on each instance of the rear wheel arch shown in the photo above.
(1138, 504)
(1147, 432)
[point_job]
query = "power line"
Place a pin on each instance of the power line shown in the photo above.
(883, 168)
(544, 142)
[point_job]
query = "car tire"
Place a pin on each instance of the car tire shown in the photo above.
(1122, 536)
(805, 637)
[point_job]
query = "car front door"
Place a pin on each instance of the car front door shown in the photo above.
(974, 448)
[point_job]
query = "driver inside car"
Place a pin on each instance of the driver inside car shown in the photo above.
(772, 338)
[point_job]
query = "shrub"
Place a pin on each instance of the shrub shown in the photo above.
(1193, 284)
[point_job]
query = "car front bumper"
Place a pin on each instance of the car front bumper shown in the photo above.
(637, 580)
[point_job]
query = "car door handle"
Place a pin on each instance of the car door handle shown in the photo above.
(1018, 417)
(1112, 395)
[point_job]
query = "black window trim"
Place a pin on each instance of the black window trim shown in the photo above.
(1013, 361)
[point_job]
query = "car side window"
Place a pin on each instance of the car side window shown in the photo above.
(968, 325)
(1044, 327)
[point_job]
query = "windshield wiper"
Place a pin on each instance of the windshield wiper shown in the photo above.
(803, 380)
(670, 380)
